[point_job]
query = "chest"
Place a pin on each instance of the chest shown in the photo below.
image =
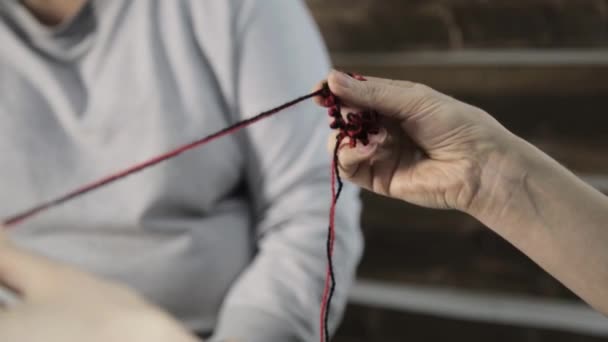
(135, 95)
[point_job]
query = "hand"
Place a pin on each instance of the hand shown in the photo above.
(435, 151)
(60, 304)
(432, 150)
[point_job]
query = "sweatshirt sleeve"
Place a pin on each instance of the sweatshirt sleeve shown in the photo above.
(280, 56)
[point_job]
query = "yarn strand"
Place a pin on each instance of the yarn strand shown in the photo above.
(355, 126)
(33, 211)
(330, 278)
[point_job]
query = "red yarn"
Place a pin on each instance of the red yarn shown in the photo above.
(330, 279)
(356, 127)
(26, 214)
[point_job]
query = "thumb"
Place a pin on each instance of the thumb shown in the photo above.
(23, 272)
(389, 98)
(349, 159)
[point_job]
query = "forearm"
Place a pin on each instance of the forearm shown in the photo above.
(551, 215)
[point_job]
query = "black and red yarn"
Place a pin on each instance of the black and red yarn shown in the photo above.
(355, 126)
(35, 210)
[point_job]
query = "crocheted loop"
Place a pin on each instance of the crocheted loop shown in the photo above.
(357, 126)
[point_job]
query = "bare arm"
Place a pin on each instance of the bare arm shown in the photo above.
(436, 151)
(552, 216)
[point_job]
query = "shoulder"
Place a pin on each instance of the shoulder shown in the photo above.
(243, 11)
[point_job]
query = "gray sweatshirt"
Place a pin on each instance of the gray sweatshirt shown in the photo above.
(228, 238)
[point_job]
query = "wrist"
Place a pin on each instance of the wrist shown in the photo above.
(502, 180)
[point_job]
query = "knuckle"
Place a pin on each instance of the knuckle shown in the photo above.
(415, 100)
(377, 93)
(406, 84)
(423, 90)
(396, 83)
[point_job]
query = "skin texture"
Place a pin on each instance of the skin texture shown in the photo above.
(413, 158)
(438, 152)
(53, 12)
(58, 303)
(433, 151)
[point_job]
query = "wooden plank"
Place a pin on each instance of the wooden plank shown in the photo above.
(490, 73)
(476, 264)
(364, 323)
(370, 25)
(522, 311)
(478, 57)
(410, 244)
(565, 125)
(598, 181)
(587, 158)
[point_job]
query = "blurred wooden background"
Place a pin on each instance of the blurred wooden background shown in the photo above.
(539, 66)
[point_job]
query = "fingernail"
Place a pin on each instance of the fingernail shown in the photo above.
(342, 79)
(380, 137)
(356, 76)
(365, 149)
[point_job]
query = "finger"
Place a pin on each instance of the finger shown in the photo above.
(8, 297)
(387, 98)
(24, 273)
(430, 92)
(320, 100)
(350, 159)
(388, 81)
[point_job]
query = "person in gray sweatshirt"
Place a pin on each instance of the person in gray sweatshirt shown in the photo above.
(230, 238)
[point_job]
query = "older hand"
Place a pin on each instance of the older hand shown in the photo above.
(432, 150)
(60, 304)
